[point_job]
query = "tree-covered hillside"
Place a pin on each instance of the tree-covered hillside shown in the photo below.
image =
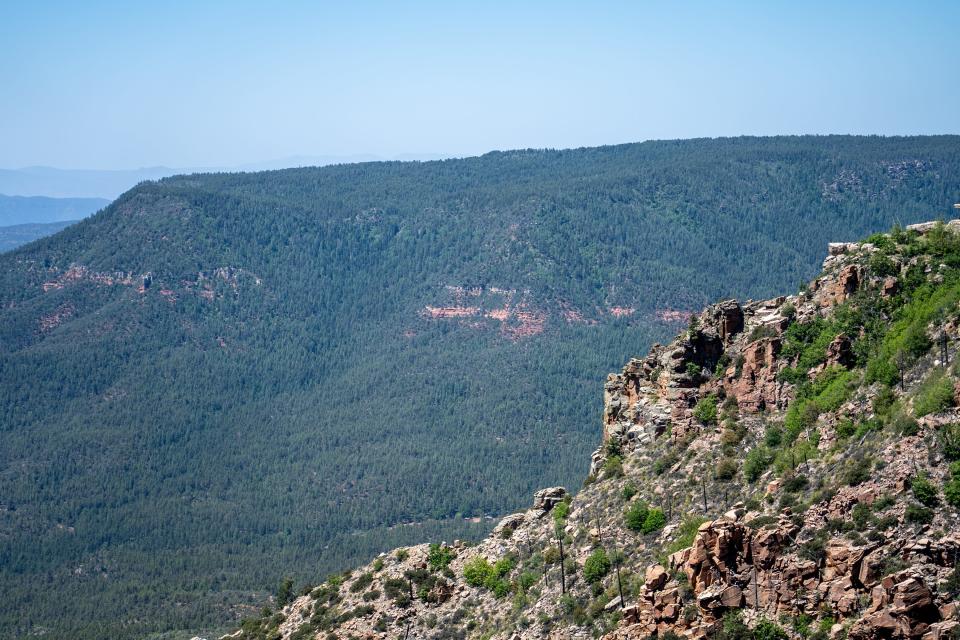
(223, 379)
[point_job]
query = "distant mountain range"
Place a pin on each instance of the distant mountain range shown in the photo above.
(109, 183)
(27, 218)
(15, 210)
(13, 236)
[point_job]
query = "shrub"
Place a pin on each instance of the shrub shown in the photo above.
(795, 482)
(882, 266)
(596, 566)
(756, 462)
(815, 548)
(773, 436)
(398, 590)
(951, 490)
(613, 447)
(733, 433)
(952, 585)
(694, 370)
(905, 425)
(861, 516)
(285, 593)
(706, 410)
(402, 554)
(551, 555)
(613, 467)
(439, 557)
(949, 436)
(935, 394)
(361, 583)
(686, 532)
(629, 490)
(846, 428)
(918, 514)
(924, 491)
(654, 521)
(636, 515)
(857, 472)
(477, 571)
(726, 469)
(768, 630)
(560, 512)
(915, 340)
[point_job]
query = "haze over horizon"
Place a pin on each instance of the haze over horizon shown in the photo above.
(228, 85)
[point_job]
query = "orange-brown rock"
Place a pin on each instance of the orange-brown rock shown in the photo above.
(756, 387)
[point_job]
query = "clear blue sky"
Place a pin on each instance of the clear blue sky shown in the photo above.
(127, 84)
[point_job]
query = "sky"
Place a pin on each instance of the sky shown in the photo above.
(121, 85)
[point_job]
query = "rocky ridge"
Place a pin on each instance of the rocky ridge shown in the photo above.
(783, 468)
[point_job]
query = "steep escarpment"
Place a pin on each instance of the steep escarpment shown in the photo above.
(783, 468)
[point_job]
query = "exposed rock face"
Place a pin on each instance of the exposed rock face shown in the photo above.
(755, 385)
(734, 566)
(546, 499)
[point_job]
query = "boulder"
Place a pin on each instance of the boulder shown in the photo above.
(546, 499)
(656, 577)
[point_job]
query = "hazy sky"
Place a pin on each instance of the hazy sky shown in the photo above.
(127, 84)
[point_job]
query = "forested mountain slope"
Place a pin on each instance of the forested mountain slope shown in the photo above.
(222, 379)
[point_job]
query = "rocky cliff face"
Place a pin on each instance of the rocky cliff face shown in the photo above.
(783, 468)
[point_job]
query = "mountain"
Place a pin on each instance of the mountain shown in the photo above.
(16, 210)
(15, 235)
(788, 468)
(223, 379)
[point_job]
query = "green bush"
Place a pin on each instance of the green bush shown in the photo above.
(285, 593)
(773, 436)
(949, 437)
(560, 512)
(726, 469)
(636, 515)
(846, 428)
(361, 583)
(613, 467)
(951, 490)
(654, 521)
(439, 556)
(907, 334)
(905, 425)
(935, 394)
(857, 471)
(918, 514)
(915, 340)
(477, 571)
(768, 630)
(757, 461)
(924, 491)
(882, 266)
(596, 566)
(629, 490)
(706, 410)
(686, 532)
